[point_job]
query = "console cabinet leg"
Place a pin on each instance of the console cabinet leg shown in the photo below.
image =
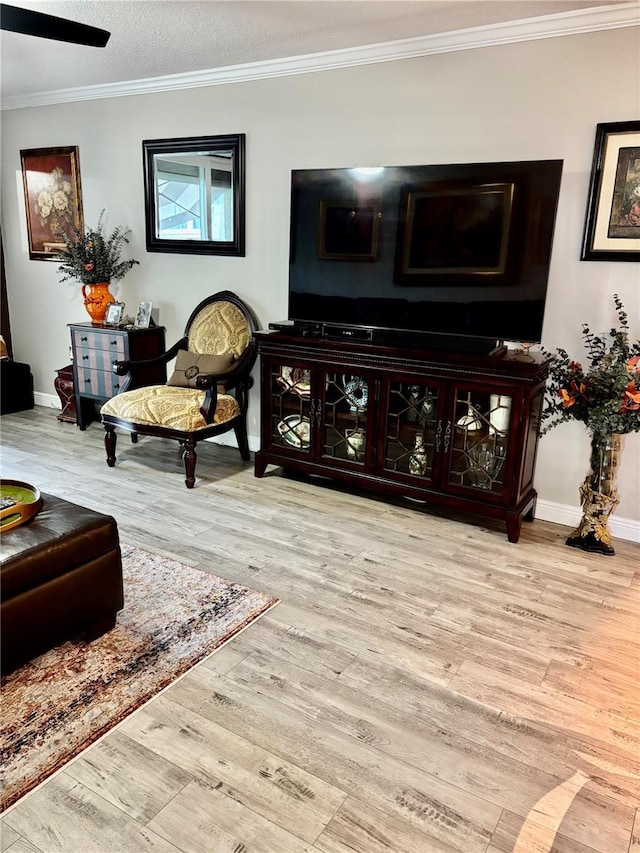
(514, 524)
(260, 465)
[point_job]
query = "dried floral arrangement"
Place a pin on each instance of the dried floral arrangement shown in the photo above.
(605, 396)
(93, 257)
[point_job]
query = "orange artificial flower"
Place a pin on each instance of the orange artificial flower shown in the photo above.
(567, 399)
(631, 398)
(633, 363)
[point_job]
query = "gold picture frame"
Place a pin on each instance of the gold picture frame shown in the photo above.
(52, 197)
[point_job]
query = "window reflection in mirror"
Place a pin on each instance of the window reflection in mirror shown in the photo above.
(194, 195)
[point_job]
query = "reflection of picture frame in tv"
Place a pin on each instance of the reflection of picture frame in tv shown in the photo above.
(348, 232)
(456, 230)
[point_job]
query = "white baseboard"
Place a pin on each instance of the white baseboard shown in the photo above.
(228, 439)
(50, 401)
(623, 528)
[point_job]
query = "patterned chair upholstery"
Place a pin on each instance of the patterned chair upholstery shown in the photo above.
(208, 392)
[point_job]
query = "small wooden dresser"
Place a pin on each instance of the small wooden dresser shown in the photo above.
(95, 350)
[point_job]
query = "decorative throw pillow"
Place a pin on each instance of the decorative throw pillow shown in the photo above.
(190, 365)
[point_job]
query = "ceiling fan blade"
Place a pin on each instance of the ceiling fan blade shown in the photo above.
(39, 24)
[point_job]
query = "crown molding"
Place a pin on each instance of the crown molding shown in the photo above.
(529, 29)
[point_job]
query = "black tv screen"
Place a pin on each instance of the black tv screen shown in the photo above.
(446, 250)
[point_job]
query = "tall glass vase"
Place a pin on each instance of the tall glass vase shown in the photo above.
(598, 496)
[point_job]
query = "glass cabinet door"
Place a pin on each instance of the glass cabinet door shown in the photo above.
(292, 408)
(410, 440)
(479, 439)
(344, 417)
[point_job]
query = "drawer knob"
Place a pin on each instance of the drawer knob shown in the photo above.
(114, 343)
(84, 339)
(85, 357)
(88, 381)
(116, 386)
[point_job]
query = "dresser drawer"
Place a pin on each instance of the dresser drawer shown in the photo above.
(101, 384)
(112, 342)
(97, 359)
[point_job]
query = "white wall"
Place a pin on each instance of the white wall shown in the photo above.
(534, 100)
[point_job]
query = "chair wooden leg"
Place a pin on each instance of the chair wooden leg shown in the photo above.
(189, 457)
(240, 430)
(110, 444)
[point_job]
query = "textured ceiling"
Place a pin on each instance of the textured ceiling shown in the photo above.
(151, 39)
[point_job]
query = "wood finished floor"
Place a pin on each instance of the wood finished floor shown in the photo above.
(423, 686)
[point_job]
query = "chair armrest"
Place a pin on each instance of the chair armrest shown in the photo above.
(238, 371)
(209, 380)
(123, 367)
(237, 376)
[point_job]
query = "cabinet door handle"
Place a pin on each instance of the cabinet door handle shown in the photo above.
(438, 435)
(319, 412)
(447, 437)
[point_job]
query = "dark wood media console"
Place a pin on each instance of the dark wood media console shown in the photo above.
(452, 429)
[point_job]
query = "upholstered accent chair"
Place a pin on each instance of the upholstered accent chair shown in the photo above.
(208, 391)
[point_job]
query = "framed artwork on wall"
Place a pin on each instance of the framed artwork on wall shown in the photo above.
(612, 224)
(52, 197)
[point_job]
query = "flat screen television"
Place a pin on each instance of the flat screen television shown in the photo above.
(443, 255)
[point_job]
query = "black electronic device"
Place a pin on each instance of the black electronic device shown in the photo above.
(33, 23)
(452, 256)
(347, 333)
(283, 326)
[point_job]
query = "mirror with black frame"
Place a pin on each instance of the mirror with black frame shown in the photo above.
(194, 194)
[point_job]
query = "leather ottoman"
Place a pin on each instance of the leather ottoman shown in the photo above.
(61, 576)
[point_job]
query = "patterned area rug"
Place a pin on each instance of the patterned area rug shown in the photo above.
(60, 703)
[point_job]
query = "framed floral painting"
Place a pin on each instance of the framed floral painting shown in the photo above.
(53, 198)
(612, 226)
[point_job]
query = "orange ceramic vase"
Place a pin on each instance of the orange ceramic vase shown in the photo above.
(97, 299)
